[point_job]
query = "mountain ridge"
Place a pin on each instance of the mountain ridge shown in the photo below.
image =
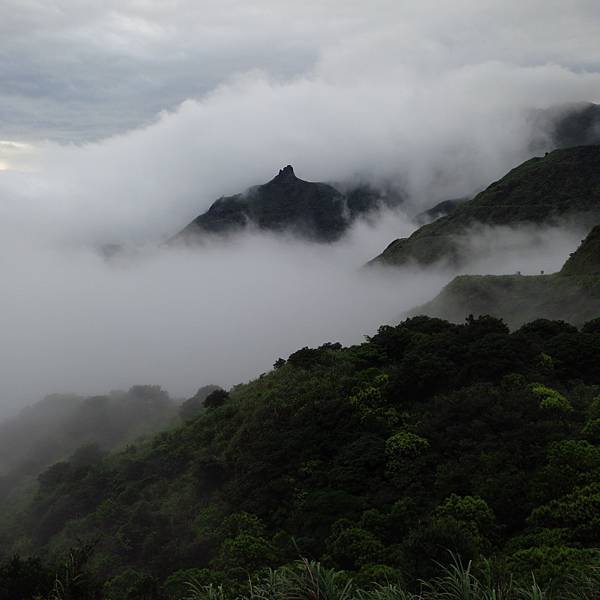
(315, 211)
(572, 294)
(563, 184)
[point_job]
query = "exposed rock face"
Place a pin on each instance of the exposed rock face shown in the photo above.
(315, 211)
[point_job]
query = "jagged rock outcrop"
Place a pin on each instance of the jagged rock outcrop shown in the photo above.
(312, 210)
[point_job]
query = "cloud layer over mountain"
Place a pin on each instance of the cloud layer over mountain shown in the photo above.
(122, 122)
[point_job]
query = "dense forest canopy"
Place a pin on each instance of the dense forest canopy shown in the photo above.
(375, 459)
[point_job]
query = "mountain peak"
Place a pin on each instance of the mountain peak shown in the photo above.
(287, 173)
(313, 210)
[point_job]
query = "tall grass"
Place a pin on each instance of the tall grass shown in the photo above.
(309, 580)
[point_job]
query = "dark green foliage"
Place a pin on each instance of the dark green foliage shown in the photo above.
(441, 209)
(216, 398)
(23, 579)
(592, 326)
(55, 427)
(543, 330)
(376, 459)
(194, 406)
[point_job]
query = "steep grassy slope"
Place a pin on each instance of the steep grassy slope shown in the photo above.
(563, 184)
(585, 261)
(441, 209)
(572, 295)
(517, 298)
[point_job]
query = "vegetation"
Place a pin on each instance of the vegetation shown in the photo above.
(563, 184)
(61, 425)
(375, 460)
(573, 294)
(441, 209)
(586, 260)
(194, 406)
(304, 580)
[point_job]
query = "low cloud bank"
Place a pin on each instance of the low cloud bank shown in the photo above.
(221, 313)
(432, 103)
(182, 318)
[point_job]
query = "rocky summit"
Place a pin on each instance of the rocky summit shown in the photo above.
(311, 210)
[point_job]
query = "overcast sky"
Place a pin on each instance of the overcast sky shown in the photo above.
(134, 115)
(73, 70)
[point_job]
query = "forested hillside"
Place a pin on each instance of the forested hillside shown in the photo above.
(63, 425)
(375, 459)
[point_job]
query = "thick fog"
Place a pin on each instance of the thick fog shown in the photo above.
(222, 313)
(436, 103)
(182, 317)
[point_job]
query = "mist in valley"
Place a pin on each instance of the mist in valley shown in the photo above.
(223, 312)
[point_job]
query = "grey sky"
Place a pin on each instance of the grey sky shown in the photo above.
(74, 70)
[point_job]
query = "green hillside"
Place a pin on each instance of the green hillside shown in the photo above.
(374, 459)
(61, 425)
(564, 184)
(517, 298)
(585, 261)
(572, 295)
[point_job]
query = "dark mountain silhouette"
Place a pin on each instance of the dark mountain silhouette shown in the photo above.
(314, 211)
